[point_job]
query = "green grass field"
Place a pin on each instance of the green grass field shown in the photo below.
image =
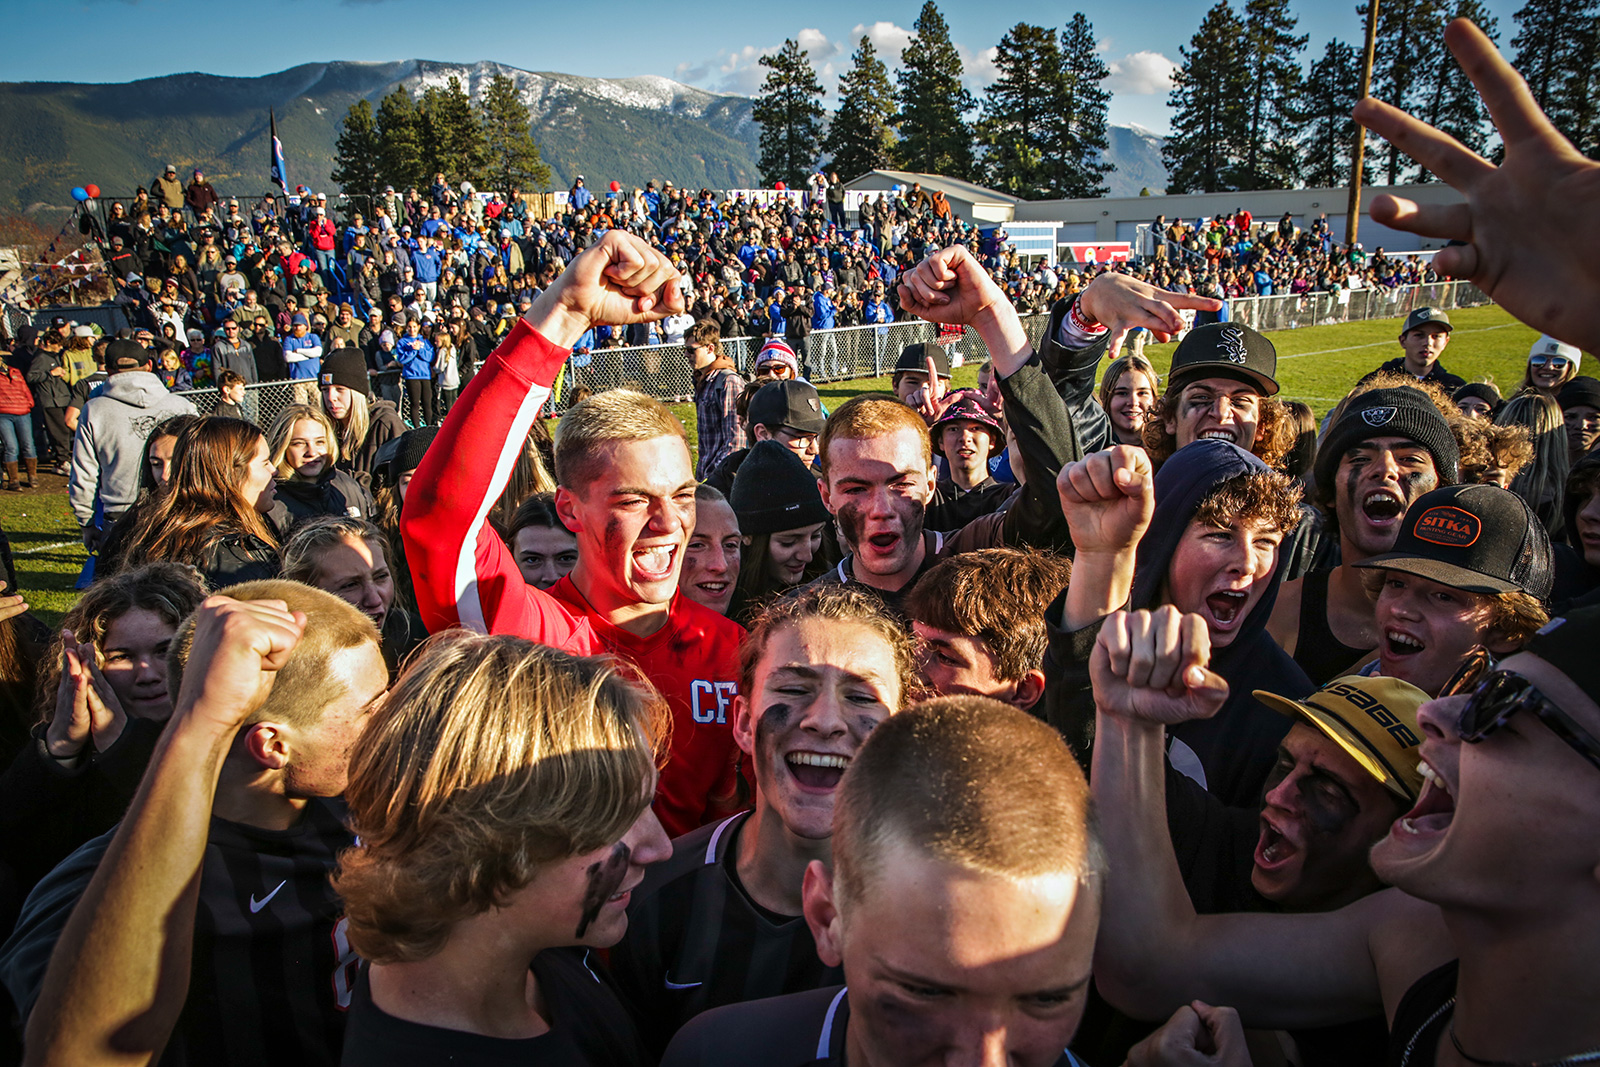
(1317, 364)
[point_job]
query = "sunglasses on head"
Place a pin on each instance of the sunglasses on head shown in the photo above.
(1494, 696)
(1555, 362)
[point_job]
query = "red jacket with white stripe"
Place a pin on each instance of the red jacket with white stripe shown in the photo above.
(465, 575)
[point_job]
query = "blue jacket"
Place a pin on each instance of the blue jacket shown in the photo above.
(416, 357)
(303, 355)
(822, 312)
(580, 197)
(426, 264)
(877, 311)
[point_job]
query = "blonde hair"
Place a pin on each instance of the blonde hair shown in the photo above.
(283, 430)
(353, 429)
(303, 550)
(491, 757)
(863, 417)
(971, 781)
(604, 418)
(301, 690)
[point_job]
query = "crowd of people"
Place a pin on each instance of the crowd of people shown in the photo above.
(487, 744)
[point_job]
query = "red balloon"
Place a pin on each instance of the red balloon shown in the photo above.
(780, 186)
(92, 190)
(616, 187)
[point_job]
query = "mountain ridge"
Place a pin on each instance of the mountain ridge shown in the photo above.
(55, 135)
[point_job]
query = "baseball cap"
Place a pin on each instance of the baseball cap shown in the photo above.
(1372, 719)
(1425, 316)
(299, 320)
(792, 404)
(1478, 538)
(1399, 412)
(1582, 390)
(915, 357)
(969, 404)
(1225, 350)
(126, 355)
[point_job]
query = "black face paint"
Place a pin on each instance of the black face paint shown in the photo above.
(605, 876)
(1328, 810)
(851, 524)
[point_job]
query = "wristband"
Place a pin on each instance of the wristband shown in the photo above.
(1076, 330)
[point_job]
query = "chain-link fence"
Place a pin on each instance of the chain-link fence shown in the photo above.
(1351, 305)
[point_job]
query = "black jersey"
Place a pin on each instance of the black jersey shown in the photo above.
(588, 1027)
(271, 969)
(799, 1030)
(696, 940)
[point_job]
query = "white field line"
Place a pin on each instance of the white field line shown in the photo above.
(44, 548)
(1383, 344)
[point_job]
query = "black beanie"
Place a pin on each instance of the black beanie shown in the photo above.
(403, 453)
(774, 491)
(1399, 412)
(346, 367)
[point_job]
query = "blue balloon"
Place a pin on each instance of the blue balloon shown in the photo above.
(79, 193)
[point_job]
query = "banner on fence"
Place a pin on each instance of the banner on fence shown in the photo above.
(1087, 252)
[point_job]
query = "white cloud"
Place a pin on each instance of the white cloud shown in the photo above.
(816, 44)
(1141, 74)
(980, 69)
(889, 39)
(737, 72)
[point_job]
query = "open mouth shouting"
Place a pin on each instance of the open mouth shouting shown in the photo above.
(655, 563)
(816, 772)
(1275, 849)
(1220, 433)
(1382, 508)
(1434, 810)
(1399, 645)
(1226, 607)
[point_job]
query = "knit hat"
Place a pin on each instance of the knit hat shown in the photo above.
(386, 335)
(1399, 412)
(776, 351)
(1479, 538)
(774, 491)
(969, 404)
(403, 453)
(1581, 391)
(1548, 347)
(1224, 350)
(1478, 391)
(346, 367)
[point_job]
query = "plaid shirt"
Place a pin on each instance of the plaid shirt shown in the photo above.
(717, 419)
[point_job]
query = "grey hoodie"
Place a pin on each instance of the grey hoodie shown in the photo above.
(108, 449)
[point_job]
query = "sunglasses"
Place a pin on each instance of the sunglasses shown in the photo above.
(1495, 696)
(1554, 362)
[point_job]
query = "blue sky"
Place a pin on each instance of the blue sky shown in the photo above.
(715, 45)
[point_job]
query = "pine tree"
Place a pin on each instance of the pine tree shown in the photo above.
(789, 110)
(1019, 109)
(1210, 122)
(1555, 43)
(513, 156)
(400, 140)
(1328, 132)
(1450, 102)
(1081, 139)
(357, 163)
(1410, 41)
(452, 137)
(935, 137)
(859, 138)
(1273, 56)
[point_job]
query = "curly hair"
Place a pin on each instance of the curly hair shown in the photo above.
(491, 758)
(1268, 499)
(997, 596)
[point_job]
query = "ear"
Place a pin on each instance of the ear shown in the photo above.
(566, 508)
(744, 725)
(827, 497)
(267, 744)
(822, 915)
(1029, 689)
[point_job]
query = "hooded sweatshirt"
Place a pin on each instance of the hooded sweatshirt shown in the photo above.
(1232, 752)
(108, 449)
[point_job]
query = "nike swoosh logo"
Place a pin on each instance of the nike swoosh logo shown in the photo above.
(670, 984)
(257, 905)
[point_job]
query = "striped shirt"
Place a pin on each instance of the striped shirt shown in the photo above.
(696, 940)
(271, 970)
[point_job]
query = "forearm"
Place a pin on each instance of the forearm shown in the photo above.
(1001, 332)
(1046, 441)
(1101, 583)
(1146, 915)
(119, 976)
